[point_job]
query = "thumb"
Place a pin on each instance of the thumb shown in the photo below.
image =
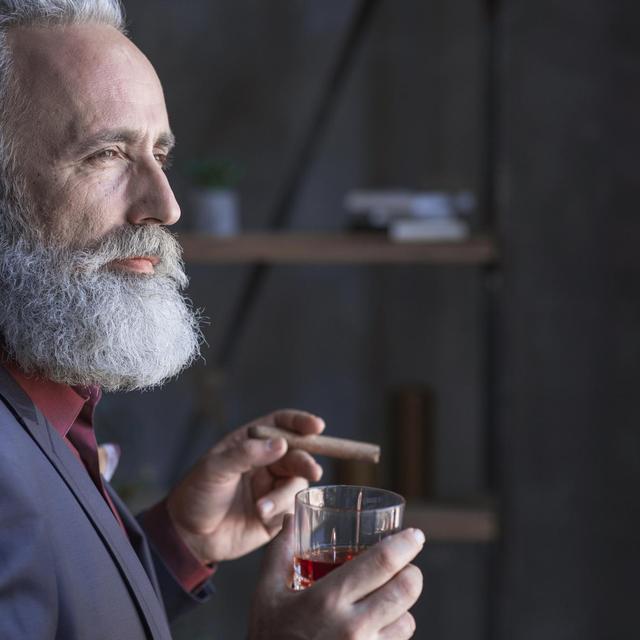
(277, 563)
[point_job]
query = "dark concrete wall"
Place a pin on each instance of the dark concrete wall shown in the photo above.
(570, 440)
(241, 80)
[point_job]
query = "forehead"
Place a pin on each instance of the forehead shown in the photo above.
(83, 78)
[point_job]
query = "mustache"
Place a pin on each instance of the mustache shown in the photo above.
(131, 242)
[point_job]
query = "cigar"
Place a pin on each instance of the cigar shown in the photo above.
(321, 445)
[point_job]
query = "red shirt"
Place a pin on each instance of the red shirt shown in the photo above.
(70, 411)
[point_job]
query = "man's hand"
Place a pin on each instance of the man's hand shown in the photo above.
(365, 599)
(234, 499)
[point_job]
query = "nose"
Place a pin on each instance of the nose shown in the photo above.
(153, 201)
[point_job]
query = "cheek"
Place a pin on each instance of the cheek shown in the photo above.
(87, 208)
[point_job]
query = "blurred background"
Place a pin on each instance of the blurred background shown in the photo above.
(498, 370)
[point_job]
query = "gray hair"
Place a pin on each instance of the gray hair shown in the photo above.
(28, 13)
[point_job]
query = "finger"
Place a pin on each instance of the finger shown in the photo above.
(294, 463)
(392, 600)
(281, 499)
(277, 564)
(402, 629)
(262, 481)
(376, 566)
(297, 463)
(299, 421)
(242, 457)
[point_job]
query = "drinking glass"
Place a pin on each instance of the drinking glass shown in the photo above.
(333, 524)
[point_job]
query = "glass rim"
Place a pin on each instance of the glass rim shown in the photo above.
(299, 500)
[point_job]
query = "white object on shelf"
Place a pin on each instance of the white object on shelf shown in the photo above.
(215, 212)
(381, 207)
(407, 230)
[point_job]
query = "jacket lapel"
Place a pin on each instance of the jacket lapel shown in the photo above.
(90, 500)
(136, 537)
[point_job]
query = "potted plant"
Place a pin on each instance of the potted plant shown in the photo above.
(214, 198)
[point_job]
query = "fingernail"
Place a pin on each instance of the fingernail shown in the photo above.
(266, 507)
(273, 443)
(420, 539)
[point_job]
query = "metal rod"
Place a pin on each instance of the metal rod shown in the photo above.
(492, 285)
(492, 104)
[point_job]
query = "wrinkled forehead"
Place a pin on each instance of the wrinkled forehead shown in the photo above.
(84, 77)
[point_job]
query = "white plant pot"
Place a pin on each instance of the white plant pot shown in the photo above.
(215, 211)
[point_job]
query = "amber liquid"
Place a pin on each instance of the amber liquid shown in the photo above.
(318, 563)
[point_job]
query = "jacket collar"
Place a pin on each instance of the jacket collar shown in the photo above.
(61, 404)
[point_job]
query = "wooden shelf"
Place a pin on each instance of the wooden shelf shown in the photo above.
(444, 523)
(327, 248)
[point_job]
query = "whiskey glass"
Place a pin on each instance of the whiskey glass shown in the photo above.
(334, 523)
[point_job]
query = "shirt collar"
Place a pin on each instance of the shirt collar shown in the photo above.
(61, 404)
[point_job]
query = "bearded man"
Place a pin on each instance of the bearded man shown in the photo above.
(91, 298)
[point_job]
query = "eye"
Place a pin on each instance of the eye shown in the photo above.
(103, 155)
(163, 159)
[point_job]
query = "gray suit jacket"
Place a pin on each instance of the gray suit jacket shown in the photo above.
(67, 571)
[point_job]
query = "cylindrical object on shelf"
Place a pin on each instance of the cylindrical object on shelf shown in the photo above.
(412, 441)
(215, 211)
(357, 472)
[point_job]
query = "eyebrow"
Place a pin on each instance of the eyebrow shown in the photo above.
(126, 136)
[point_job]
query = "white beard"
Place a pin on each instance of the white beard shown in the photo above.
(67, 318)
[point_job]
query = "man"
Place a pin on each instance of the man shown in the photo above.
(90, 284)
